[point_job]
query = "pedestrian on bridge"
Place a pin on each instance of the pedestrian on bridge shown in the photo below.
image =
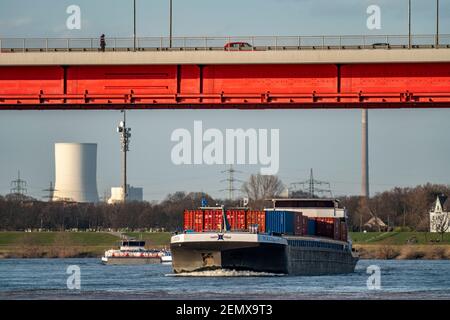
(102, 43)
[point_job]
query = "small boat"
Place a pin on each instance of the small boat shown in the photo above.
(166, 257)
(132, 252)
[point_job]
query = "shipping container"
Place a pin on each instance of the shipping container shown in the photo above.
(261, 221)
(298, 230)
(219, 219)
(230, 218)
(305, 225)
(188, 220)
(324, 228)
(198, 221)
(280, 222)
(208, 220)
(241, 223)
(311, 227)
(252, 217)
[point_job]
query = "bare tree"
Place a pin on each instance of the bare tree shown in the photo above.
(261, 187)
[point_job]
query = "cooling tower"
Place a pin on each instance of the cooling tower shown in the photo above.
(76, 172)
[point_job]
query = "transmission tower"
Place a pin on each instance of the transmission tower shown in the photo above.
(18, 187)
(51, 190)
(309, 186)
(230, 180)
(125, 136)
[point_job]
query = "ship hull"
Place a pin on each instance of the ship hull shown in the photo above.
(251, 252)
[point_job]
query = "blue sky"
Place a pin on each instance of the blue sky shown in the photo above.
(407, 147)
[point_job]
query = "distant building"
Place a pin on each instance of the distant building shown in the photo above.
(134, 194)
(440, 219)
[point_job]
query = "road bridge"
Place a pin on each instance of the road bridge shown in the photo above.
(358, 76)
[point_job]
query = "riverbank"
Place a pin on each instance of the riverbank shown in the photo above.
(404, 252)
(401, 245)
(69, 244)
(374, 245)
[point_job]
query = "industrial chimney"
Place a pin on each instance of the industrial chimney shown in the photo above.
(76, 172)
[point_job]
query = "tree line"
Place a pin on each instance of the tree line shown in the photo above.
(399, 207)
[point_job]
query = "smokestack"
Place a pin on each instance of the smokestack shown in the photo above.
(365, 154)
(76, 172)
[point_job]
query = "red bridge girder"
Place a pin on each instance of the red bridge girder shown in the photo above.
(389, 85)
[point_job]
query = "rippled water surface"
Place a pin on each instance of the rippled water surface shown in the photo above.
(47, 279)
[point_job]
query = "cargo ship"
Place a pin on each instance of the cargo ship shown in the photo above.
(293, 236)
(134, 252)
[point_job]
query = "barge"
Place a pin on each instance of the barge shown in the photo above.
(283, 248)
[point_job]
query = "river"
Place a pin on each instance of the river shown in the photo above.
(47, 279)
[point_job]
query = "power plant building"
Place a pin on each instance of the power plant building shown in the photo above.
(76, 172)
(134, 194)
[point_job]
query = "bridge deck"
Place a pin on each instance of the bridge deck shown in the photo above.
(342, 56)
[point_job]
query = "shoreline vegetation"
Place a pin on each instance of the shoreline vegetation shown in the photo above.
(370, 245)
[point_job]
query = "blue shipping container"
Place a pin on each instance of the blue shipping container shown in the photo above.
(311, 227)
(280, 222)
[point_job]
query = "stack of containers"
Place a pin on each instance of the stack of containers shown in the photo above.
(256, 217)
(237, 220)
(217, 219)
(261, 221)
(252, 217)
(208, 220)
(188, 220)
(198, 221)
(241, 223)
(281, 222)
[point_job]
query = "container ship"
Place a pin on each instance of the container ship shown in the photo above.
(293, 236)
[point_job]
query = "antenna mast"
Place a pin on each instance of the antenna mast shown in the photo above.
(125, 136)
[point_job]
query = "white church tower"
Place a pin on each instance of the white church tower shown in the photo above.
(439, 219)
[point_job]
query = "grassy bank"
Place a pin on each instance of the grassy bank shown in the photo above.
(401, 245)
(399, 238)
(153, 239)
(66, 244)
(54, 244)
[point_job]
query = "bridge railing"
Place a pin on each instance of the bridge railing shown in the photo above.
(217, 43)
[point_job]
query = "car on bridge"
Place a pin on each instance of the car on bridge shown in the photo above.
(238, 46)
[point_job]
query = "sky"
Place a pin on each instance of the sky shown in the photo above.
(407, 147)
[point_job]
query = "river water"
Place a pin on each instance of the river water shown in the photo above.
(47, 279)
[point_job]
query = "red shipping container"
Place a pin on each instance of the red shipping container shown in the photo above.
(208, 220)
(198, 221)
(261, 221)
(188, 220)
(251, 217)
(217, 220)
(231, 218)
(241, 223)
(298, 224)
